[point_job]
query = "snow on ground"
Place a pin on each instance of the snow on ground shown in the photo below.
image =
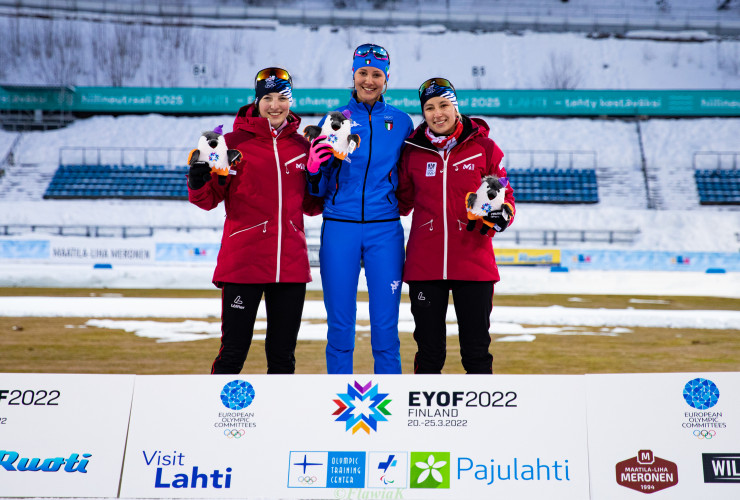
(553, 320)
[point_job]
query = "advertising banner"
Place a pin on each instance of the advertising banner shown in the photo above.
(364, 436)
(102, 250)
(62, 435)
(487, 102)
(527, 256)
(674, 432)
(647, 260)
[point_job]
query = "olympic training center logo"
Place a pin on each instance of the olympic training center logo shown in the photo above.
(237, 394)
(362, 407)
(701, 393)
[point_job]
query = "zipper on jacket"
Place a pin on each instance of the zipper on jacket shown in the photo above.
(336, 187)
(295, 228)
(393, 188)
(280, 209)
(460, 225)
(444, 212)
(369, 156)
(264, 228)
(287, 171)
(431, 225)
(466, 159)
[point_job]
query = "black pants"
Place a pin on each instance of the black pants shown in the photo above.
(239, 303)
(473, 302)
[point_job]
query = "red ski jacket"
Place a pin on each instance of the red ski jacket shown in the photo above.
(263, 239)
(434, 185)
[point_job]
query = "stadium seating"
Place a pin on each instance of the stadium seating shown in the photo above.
(719, 186)
(118, 181)
(531, 185)
(554, 185)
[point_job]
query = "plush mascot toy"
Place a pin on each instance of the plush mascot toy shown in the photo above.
(212, 150)
(487, 199)
(337, 129)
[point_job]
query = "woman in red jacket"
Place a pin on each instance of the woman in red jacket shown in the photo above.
(263, 247)
(446, 157)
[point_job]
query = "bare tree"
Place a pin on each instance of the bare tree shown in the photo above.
(560, 72)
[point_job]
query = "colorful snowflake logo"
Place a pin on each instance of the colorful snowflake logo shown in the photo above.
(362, 407)
(213, 156)
(332, 139)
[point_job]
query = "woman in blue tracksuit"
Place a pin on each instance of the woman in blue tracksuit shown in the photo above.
(361, 221)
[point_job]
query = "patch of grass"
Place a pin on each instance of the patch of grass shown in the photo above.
(66, 345)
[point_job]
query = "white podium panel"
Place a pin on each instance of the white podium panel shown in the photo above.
(676, 435)
(62, 435)
(357, 436)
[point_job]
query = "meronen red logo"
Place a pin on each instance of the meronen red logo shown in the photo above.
(647, 473)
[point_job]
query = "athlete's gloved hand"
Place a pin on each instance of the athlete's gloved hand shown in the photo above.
(500, 218)
(318, 154)
(199, 174)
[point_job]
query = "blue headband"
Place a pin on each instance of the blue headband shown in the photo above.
(369, 59)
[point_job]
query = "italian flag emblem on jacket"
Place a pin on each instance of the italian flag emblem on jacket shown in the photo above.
(389, 124)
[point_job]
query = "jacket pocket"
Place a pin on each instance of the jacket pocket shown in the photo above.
(466, 163)
(427, 225)
(292, 160)
(262, 225)
(296, 227)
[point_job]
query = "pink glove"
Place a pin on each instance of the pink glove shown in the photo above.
(318, 154)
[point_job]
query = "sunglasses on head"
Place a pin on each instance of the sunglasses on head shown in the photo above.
(440, 82)
(379, 52)
(277, 72)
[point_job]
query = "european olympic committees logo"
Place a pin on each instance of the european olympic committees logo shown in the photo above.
(701, 393)
(237, 394)
(362, 407)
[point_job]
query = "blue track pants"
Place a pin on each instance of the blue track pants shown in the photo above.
(380, 246)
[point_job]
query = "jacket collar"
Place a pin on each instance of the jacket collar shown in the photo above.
(359, 107)
(247, 120)
(471, 128)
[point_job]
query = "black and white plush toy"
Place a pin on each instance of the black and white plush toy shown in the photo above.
(338, 131)
(487, 199)
(213, 151)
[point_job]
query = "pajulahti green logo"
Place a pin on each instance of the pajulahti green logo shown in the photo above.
(430, 469)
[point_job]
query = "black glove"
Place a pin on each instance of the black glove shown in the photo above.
(199, 174)
(499, 218)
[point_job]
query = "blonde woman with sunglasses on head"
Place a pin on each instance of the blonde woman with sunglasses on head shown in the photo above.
(446, 158)
(263, 247)
(361, 221)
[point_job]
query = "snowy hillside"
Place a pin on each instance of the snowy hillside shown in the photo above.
(80, 53)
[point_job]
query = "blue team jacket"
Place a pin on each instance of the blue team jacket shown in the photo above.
(362, 187)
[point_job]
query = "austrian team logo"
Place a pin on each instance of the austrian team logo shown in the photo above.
(362, 407)
(701, 393)
(237, 395)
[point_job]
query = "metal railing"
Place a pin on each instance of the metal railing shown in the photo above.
(98, 231)
(551, 158)
(717, 159)
(552, 237)
(545, 237)
(98, 155)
